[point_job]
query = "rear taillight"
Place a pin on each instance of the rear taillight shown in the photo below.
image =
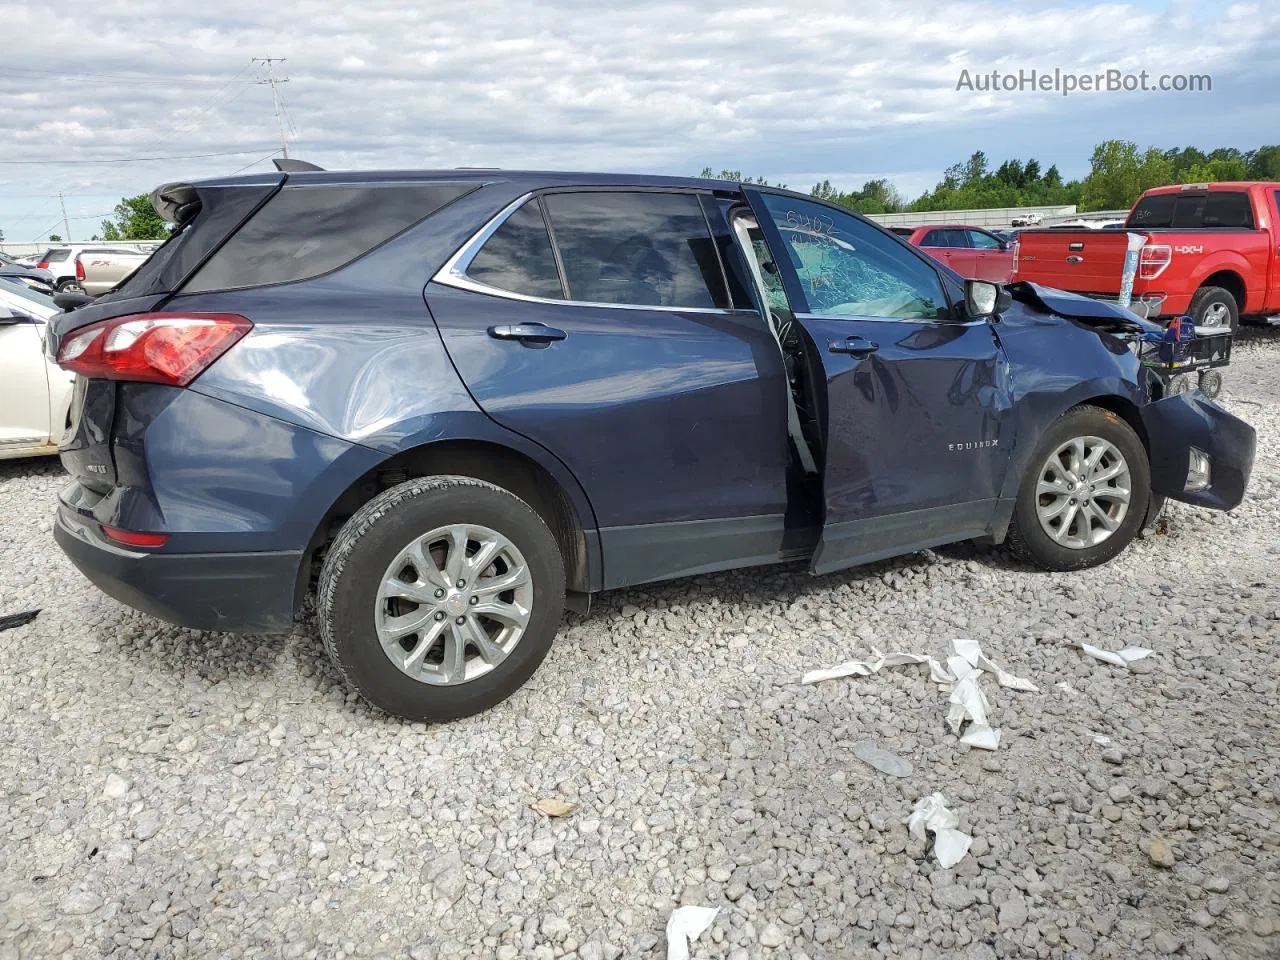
(1154, 260)
(131, 538)
(172, 348)
(42, 265)
(79, 269)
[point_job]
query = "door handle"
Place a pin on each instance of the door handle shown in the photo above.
(854, 346)
(527, 333)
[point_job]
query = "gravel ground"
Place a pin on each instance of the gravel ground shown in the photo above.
(169, 793)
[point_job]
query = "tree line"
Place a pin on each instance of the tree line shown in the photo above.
(1119, 171)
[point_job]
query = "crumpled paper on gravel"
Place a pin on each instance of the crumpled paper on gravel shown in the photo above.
(958, 678)
(949, 844)
(1120, 658)
(684, 926)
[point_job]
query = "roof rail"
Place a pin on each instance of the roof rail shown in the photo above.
(287, 165)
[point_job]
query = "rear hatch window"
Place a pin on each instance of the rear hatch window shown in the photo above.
(55, 255)
(221, 209)
(309, 230)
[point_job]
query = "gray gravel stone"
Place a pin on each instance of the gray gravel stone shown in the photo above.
(80, 903)
(771, 936)
(1166, 942)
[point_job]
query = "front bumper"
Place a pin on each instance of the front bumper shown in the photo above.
(235, 592)
(1176, 424)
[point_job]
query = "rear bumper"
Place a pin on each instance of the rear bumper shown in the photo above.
(1176, 424)
(235, 592)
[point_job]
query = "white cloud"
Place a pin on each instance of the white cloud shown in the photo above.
(832, 88)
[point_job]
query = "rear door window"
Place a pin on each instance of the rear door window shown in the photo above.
(305, 231)
(518, 257)
(636, 248)
(936, 238)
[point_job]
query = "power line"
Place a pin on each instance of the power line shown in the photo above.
(251, 164)
(192, 156)
(114, 78)
(214, 102)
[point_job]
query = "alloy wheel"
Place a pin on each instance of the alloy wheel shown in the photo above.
(1083, 492)
(453, 604)
(1216, 315)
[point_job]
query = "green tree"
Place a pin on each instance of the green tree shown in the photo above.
(1118, 174)
(1031, 172)
(135, 219)
(1215, 171)
(1263, 163)
(55, 238)
(736, 175)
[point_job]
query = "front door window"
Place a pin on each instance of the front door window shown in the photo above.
(849, 268)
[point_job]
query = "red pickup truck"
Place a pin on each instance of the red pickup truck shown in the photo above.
(972, 252)
(1210, 252)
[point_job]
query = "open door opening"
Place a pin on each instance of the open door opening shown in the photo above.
(803, 421)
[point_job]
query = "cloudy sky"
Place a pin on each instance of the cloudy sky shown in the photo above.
(844, 89)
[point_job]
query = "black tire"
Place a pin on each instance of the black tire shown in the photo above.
(1211, 298)
(367, 545)
(70, 286)
(1026, 535)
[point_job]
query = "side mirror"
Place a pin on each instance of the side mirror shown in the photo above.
(983, 300)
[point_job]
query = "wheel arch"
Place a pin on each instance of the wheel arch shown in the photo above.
(1125, 409)
(481, 459)
(1230, 280)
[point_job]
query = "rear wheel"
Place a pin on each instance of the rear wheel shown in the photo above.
(70, 286)
(1086, 494)
(441, 597)
(1214, 307)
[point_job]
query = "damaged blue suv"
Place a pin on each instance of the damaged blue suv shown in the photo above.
(447, 405)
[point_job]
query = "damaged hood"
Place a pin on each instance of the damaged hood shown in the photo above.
(1092, 313)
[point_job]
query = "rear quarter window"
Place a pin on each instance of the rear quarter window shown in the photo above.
(308, 230)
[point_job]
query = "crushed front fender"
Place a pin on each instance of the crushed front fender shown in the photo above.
(1176, 424)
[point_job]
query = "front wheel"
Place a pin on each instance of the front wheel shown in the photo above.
(1086, 493)
(440, 597)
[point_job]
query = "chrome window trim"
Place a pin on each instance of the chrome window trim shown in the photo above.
(454, 274)
(855, 316)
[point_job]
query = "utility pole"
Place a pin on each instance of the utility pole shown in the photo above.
(275, 95)
(66, 224)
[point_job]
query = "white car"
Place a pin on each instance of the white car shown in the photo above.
(61, 262)
(35, 393)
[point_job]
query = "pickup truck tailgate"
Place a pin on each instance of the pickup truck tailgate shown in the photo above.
(1082, 261)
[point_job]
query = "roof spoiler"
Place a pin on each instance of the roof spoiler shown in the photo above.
(286, 165)
(175, 203)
